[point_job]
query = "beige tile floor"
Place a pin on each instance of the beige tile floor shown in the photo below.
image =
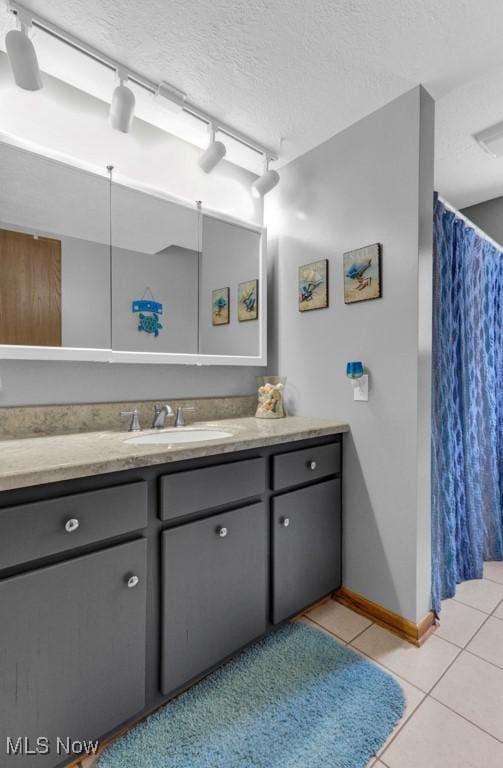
(453, 685)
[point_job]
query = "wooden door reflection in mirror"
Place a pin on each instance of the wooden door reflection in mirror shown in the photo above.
(30, 289)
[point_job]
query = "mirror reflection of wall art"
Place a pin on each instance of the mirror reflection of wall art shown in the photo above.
(248, 300)
(313, 286)
(220, 306)
(362, 274)
(148, 313)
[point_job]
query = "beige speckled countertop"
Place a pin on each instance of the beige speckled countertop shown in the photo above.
(37, 460)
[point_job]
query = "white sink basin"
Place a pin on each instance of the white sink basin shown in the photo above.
(179, 436)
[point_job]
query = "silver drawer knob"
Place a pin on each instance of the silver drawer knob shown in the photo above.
(311, 464)
(132, 582)
(71, 525)
(285, 522)
(222, 532)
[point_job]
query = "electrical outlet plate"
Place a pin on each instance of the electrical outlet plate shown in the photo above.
(361, 388)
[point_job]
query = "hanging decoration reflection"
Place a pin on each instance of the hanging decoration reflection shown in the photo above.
(149, 323)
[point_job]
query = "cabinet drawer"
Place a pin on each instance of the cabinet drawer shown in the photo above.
(214, 591)
(32, 531)
(308, 464)
(183, 493)
(72, 661)
(306, 542)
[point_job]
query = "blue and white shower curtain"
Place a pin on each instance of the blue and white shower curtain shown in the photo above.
(467, 412)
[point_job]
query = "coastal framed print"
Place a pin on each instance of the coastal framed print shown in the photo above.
(362, 274)
(220, 306)
(248, 300)
(313, 286)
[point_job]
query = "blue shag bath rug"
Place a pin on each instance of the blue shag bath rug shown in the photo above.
(297, 699)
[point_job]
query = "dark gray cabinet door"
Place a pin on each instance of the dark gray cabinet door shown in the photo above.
(306, 540)
(72, 650)
(214, 591)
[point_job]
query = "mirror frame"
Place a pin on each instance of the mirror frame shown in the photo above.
(82, 354)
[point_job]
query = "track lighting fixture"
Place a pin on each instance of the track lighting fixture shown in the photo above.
(266, 182)
(170, 98)
(22, 56)
(213, 153)
(26, 72)
(122, 106)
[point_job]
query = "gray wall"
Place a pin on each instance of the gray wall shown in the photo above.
(488, 216)
(41, 382)
(85, 293)
(231, 255)
(371, 183)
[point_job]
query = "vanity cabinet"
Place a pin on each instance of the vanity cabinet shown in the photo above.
(32, 531)
(72, 656)
(214, 587)
(183, 493)
(171, 570)
(306, 547)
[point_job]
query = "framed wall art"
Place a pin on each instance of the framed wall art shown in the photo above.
(313, 286)
(362, 274)
(220, 306)
(248, 300)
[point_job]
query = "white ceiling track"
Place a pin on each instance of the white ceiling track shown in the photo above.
(144, 82)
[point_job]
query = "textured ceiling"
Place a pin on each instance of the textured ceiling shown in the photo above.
(298, 69)
(464, 173)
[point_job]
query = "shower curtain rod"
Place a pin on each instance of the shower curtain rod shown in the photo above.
(470, 223)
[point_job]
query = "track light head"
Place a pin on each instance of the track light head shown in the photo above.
(22, 57)
(264, 183)
(214, 152)
(122, 106)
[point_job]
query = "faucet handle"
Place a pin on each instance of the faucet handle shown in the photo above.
(134, 424)
(180, 419)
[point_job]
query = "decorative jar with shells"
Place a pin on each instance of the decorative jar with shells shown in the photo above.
(270, 397)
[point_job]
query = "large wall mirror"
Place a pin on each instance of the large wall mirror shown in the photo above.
(91, 269)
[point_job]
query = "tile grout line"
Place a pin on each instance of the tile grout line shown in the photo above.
(462, 650)
(361, 633)
(464, 717)
(338, 637)
(487, 578)
(429, 695)
(500, 604)
(480, 610)
(317, 624)
(399, 730)
(472, 637)
(481, 658)
(387, 669)
(425, 697)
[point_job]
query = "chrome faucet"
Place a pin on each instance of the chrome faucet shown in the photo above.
(180, 417)
(160, 413)
(134, 424)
